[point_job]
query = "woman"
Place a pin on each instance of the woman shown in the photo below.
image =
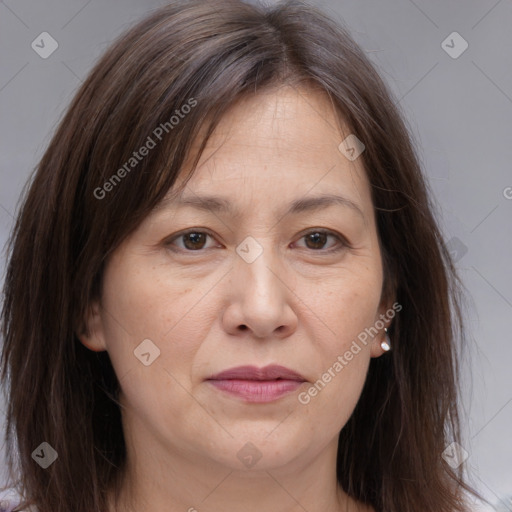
(222, 242)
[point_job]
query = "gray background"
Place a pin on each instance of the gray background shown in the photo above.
(459, 111)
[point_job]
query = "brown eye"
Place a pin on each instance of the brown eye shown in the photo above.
(194, 240)
(317, 239)
(190, 241)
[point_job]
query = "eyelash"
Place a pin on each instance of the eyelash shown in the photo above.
(343, 243)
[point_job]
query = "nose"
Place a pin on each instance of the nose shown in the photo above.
(260, 299)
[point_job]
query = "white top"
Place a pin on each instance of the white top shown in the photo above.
(11, 498)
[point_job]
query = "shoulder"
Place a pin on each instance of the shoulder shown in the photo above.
(10, 498)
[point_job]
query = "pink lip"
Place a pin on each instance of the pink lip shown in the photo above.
(258, 384)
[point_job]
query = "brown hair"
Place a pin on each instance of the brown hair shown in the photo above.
(80, 205)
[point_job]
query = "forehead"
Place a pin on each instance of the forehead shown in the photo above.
(287, 118)
(281, 143)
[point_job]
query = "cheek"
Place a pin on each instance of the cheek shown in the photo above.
(139, 306)
(336, 388)
(141, 302)
(344, 312)
(346, 304)
(143, 299)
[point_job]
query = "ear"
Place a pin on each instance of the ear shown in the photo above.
(91, 332)
(387, 312)
(388, 308)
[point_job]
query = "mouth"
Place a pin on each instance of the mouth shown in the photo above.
(253, 384)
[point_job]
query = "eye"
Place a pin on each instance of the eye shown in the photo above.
(193, 240)
(316, 239)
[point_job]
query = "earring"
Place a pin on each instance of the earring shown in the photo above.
(386, 344)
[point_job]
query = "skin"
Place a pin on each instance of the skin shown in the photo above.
(208, 310)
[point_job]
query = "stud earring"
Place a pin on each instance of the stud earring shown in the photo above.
(386, 344)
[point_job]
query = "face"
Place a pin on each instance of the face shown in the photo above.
(280, 277)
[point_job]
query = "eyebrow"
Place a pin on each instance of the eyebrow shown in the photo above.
(217, 204)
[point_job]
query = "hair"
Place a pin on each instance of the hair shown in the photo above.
(80, 206)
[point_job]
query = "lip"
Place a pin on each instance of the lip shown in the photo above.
(270, 372)
(254, 384)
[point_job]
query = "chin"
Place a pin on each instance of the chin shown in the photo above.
(259, 451)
